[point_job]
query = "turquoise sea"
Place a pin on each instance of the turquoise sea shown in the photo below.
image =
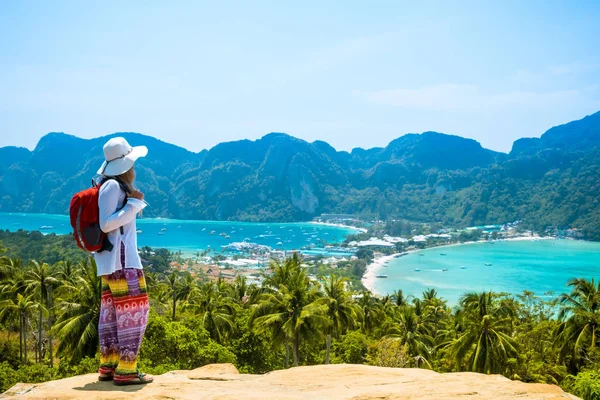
(191, 236)
(539, 266)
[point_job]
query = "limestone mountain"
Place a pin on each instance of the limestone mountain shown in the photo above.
(427, 177)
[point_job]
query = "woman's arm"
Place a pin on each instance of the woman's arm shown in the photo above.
(108, 203)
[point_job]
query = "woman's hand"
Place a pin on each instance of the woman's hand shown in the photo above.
(136, 194)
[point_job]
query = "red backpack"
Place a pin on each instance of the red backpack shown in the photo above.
(85, 220)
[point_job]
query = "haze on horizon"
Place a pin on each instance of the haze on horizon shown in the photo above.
(354, 74)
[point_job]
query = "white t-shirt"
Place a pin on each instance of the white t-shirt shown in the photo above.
(110, 199)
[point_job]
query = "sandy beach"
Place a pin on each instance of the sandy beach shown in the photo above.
(361, 230)
(368, 279)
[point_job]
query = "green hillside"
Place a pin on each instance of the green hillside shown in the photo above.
(432, 177)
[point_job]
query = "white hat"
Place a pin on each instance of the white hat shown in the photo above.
(120, 156)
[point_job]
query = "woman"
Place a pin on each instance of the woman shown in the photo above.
(124, 309)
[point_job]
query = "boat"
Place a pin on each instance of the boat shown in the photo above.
(222, 234)
(212, 233)
(227, 237)
(381, 276)
(463, 267)
(444, 269)
(44, 227)
(488, 264)
(442, 254)
(417, 269)
(163, 230)
(139, 231)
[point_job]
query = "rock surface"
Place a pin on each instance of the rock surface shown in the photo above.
(357, 382)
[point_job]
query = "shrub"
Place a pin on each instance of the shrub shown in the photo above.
(585, 385)
(350, 349)
(388, 353)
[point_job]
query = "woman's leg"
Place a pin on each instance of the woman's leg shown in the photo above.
(107, 331)
(128, 288)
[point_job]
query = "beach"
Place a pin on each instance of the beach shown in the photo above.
(368, 278)
(361, 230)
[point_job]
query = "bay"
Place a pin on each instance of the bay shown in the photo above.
(191, 236)
(543, 267)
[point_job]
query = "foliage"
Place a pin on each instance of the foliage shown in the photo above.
(550, 339)
(350, 348)
(389, 352)
(585, 385)
(34, 245)
(177, 345)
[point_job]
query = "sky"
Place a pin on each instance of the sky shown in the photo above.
(351, 73)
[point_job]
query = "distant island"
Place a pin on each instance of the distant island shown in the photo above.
(430, 177)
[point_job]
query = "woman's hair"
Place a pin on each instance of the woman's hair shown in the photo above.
(127, 178)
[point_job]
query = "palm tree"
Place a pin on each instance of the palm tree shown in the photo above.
(180, 288)
(579, 331)
(23, 307)
(435, 310)
(399, 298)
(416, 334)
(9, 267)
(216, 309)
(485, 342)
(12, 281)
(160, 298)
(67, 271)
(79, 313)
(370, 312)
(292, 311)
(341, 310)
(280, 274)
(40, 279)
(240, 288)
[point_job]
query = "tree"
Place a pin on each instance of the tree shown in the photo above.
(79, 313)
(579, 331)
(290, 312)
(416, 334)
(180, 288)
(23, 307)
(341, 310)
(485, 341)
(216, 310)
(370, 312)
(40, 279)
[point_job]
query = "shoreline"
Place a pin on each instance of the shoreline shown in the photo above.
(361, 230)
(368, 278)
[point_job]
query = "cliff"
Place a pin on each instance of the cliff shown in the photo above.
(341, 381)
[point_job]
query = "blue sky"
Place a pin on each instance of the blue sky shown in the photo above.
(352, 73)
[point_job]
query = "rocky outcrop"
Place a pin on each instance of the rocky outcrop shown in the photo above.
(342, 381)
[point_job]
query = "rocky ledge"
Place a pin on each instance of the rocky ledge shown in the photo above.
(342, 381)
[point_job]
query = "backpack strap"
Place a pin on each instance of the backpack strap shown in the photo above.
(123, 187)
